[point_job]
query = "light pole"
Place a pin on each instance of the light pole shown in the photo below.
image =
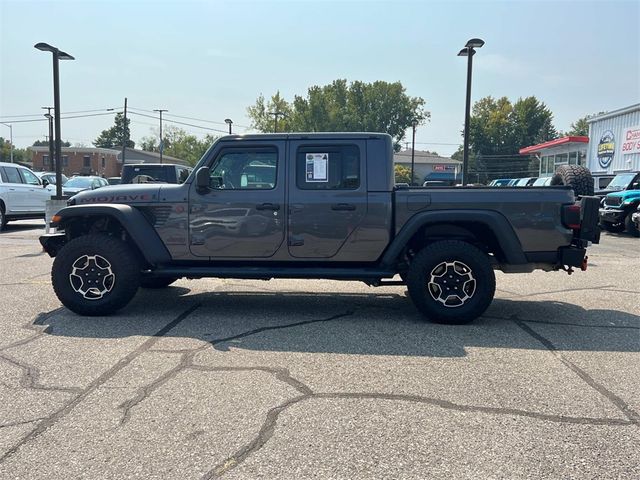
(276, 114)
(160, 110)
(229, 122)
(49, 117)
(414, 124)
(468, 51)
(10, 138)
(57, 55)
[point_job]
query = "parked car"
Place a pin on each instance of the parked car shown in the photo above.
(525, 182)
(22, 194)
(500, 182)
(616, 214)
(542, 182)
(601, 182)
(622, 181)
(154, 173)
(79, 184)
(114, 180)
(51, 177)
(313, 221)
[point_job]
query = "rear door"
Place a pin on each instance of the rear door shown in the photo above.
(328, 195)
(242, 215)
(17, 190)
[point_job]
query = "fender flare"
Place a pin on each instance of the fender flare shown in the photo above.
(494, 221)
(132, 220)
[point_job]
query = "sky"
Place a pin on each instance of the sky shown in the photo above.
(209, 60)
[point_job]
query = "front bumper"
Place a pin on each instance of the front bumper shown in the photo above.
(53, 242)
(611, 215)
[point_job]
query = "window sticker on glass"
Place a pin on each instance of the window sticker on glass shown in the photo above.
(317, 167)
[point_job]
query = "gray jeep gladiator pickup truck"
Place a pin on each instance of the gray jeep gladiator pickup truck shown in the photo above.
(317, 205)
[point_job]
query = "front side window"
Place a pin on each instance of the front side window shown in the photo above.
(253, 169)
(29, 177)
(328, 167)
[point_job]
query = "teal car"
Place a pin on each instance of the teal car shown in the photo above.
(616, 214)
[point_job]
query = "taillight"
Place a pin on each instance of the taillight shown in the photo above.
(571, 216)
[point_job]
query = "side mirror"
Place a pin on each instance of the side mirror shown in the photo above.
(45, 183)
(202, 179)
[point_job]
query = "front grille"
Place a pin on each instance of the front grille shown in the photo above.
(612, 201)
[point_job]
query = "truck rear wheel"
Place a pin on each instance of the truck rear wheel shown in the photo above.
(575, 176)
(451, 282)
(95, 275)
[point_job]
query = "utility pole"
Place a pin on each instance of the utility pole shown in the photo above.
(229, 122)
(276, 114)
(160, 110)
(10, 138)
(50, 118)
(125, 136)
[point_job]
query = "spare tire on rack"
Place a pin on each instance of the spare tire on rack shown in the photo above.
(575, 176)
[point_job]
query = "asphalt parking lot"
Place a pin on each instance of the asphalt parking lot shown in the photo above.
(321, 379)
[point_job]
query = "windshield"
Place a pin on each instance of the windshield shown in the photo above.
(79, 182)
(621, 181)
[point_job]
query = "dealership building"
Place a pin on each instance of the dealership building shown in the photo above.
(614, 141)
(612, 147)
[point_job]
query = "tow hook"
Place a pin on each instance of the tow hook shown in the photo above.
(566, 268)
(583, 267)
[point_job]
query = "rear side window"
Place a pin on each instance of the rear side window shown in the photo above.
(328, 167)
(12, 175)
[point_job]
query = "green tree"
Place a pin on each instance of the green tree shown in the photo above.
(499, 129)
(402, 174)
(179, 144)
(114, 136)
(45, 143)
(580, 127)
(343, 107)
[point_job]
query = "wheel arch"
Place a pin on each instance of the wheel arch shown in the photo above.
(481, 227)
(115, 218)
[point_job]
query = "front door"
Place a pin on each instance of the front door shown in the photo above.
(243, 212)
(328, 195)
(38, 195)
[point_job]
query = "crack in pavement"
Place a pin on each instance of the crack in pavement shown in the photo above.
(104, 377)
(570, 324)
(564, 290)
(619, 403)
(21, 422)
(31, 376)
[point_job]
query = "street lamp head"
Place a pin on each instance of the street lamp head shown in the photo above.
(64, 56)
(45, 47)
(465, 52)
(414, 123)
(228, 120)
(475, 43)
(48, 115)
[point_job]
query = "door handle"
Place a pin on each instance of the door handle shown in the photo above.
(343, 206)
(268, 206)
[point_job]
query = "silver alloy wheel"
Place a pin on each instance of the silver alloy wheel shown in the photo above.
(91, 276)
(452, 284)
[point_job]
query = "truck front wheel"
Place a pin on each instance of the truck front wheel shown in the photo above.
(451, 282)
(95, 275)
(630, 226)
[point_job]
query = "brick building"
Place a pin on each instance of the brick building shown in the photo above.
(428, 166)
(105, 162)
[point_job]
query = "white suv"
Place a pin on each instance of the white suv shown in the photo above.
(22, 194)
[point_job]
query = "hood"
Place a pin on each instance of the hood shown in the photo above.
(625, 194)
(129, 194)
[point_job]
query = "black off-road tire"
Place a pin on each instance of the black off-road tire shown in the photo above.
(81, 263)
(156, 282)
(3, 218)
(456, 256)
(630, 226)
(575, 176)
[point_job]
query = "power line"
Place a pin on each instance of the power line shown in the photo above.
(64, 118)
(180, 123)
(189, 118)
(63, 113)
